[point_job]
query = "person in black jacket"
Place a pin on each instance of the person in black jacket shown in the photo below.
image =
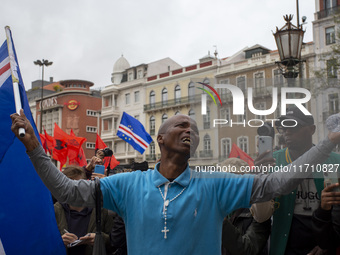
(326, 220)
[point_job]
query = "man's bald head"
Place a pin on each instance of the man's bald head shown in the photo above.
(166, 124)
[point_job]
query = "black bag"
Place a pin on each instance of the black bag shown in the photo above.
(99, 246)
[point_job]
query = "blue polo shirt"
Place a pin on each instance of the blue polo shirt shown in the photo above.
(194, 218)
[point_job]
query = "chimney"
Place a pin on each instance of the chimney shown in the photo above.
(51, 79)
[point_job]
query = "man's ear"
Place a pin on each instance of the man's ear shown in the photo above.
(312, 129)
(160, 139)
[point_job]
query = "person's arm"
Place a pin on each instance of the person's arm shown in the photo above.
(266, 187)
(251, 243)
(65, 190)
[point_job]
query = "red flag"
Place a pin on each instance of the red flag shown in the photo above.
(43, 141)
(99, 143)
(236, 152)
(50, 142)
(73, 143)
(112, 160)
(81, 158)
(60, 149)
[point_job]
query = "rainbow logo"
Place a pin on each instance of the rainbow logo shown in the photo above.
(204, 96)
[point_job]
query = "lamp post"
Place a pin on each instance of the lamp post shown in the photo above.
(289, 43)
(42, 63)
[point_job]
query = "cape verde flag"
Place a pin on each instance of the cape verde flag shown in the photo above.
(133, 132)
(26, 206)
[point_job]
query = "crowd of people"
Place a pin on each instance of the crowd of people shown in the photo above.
(172, 209)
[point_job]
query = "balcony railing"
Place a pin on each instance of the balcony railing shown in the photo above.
(262, 91)
(328, 12)
(150, 157)
(206, 154)
(206, 125)
(173, 102)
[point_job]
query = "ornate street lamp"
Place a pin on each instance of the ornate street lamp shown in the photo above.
(289, 43)
(42, 63)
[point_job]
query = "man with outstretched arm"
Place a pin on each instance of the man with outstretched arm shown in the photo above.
(170, 209)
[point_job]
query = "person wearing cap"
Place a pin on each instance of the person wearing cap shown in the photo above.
(292, 219)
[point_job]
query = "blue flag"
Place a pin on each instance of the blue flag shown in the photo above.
(133, 132)
(27, 219)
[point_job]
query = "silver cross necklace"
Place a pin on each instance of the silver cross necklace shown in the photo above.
(166, 204)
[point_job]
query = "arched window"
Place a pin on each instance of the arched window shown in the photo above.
(191, 114)
(178, 112)
(164, 96)
(206, 119)
(164, 117)
(242, 142)
(152, 150)
(152, 98)
(152, 125)
(206, 143)
(225, 147)
(177, 94)
(191, 90)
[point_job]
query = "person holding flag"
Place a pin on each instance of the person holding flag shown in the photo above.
(27, 208)
(167, 209)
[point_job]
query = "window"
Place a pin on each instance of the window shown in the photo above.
(242, 118)
(164, 96)
(177, 94)
(206, 119)
(116, 100)
(278, 78)
(331, 69)
(140, 74)
(242, 142)
(225, 81)
(152, 98)
(191, 90)
(152, 149)
(90, 129)
(206, 143)
(107, 102)
(164, 117)
(333, 103)
(136, 96)
(260, 106)
(225, 114)
(225, 147)
(259, 83)
(330, 35)
(241, 82)
(91, 113)
(178, 112)
(107, 124)
(127, 98)
(152, 125)
(130, 76)
(90, 145)
(191, 114)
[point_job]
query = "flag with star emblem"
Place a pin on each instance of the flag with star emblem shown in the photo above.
(133, 132)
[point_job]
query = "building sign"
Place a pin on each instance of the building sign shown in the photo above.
(72, 104)
(49, 102)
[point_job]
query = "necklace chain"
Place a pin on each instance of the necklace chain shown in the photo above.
(165, 207)
(172, 198)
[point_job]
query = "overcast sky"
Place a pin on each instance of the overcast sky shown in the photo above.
(84, 38)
